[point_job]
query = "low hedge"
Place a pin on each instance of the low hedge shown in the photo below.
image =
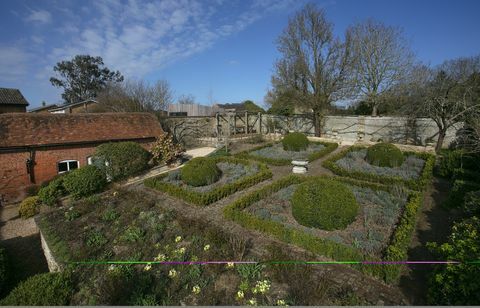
(48, 289)
(396, 250)
(295, 142)
(200, 171)
(28, 207)
(50, 193)
(323, 203)
(414, 184)
(329, 147)
(216, 194)
(85, 181)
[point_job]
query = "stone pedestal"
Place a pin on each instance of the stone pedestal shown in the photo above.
(299, 166)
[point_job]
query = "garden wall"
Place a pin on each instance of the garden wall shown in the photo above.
(350, 129)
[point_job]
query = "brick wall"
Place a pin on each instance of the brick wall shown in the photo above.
(14, 179)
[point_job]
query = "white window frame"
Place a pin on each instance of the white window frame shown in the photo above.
(68, 161)
(90, 160)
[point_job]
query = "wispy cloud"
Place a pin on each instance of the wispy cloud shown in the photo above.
(39, 16)
(13, 63)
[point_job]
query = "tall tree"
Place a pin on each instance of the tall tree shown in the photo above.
(382, 59)
(314, 65)
(82, 77)
(135, 96)
(186, 99)
(452, 94)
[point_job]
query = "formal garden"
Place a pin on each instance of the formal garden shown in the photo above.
(185, 237)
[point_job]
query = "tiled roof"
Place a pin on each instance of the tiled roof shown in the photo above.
(38, 129)
(12, 97)
(46, 107)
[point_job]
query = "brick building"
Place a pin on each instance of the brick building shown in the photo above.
(12, 100)
(34, 148)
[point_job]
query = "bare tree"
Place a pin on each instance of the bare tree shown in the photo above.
(314, 64)
(452, 94)
(382, 58)
(186, 99)
(135, 96)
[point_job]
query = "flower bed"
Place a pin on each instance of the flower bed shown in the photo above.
(415, 172)
(274, 154)
(382, 231)
(237, 174)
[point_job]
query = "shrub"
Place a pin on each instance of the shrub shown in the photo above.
(121, 159)
(165, 150)
(50, 193)
(457, 284)
(471, 205)
(324, 203)
(3, 270)
(85, 181)
(295, 142)
(28, 207)
(384, 155)
(459, 189)
(200, 171)
(49, 289)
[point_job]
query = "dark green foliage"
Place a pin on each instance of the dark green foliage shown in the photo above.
(85, 181)
(216, 194)
(471, 205)
(49, 289)
(457, 284)
(329, 147)
(322, 246)
(295, 142)
(28, 207)
(50, 193)
(121, 159)
(459, 189)
(250, 106)
(384, 155)
(95, 239)
(450, 160)
(465, 174)
(4, 274)
(325, 204)
(200, 171)
(415, 184)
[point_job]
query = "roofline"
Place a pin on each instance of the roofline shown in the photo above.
(26, 148)
(16, 89)
(42, 107)
(74, 104)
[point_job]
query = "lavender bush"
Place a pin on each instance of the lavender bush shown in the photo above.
(355, 161)
(276, 151)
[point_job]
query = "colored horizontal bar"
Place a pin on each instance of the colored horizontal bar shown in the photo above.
(276, 262)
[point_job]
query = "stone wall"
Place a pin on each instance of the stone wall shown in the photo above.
(347, 129)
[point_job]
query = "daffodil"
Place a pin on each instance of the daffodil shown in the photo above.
(196, 289)
(261, 287)
(178, 239)
(281, 302)
(182, 250)
(111, 267)
(172, 273)
(206, 247)
(252, 302)
(240, 295)
(160, 258)
(115, 193)
(147, 267)
(230, 265)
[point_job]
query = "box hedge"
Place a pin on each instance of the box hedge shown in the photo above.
(415, 184)
(200, 171)
(384, 155)
(295, 142)
(217, 193)
(396, 251)
(28, 207)
(85, 181)
(329, 147)
(50, 193)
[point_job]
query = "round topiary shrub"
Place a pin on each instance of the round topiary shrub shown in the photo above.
(85, 181)
(49, 289)
(50, 193)
(295, 142)
(200, 171)
(324, 203)
(384, 155)
(28, 207)
(121, 159)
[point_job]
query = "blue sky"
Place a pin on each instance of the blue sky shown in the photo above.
(222, 49)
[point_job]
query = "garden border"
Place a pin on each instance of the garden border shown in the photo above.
(329, 147)
(396, 250)
(414, 184)
(216, 194)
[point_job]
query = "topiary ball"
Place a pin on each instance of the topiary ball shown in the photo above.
(28, 207)
(295, 142)
(200, 171)
(384, 155)
(325, 204)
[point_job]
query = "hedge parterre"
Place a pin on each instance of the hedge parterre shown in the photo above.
(207, 197)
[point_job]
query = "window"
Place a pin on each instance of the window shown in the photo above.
(67, 165)
(89, 160)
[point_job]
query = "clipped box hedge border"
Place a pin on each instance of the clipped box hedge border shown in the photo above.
(414, 184)
(396, 250)
(329, 147)
(206, 198)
